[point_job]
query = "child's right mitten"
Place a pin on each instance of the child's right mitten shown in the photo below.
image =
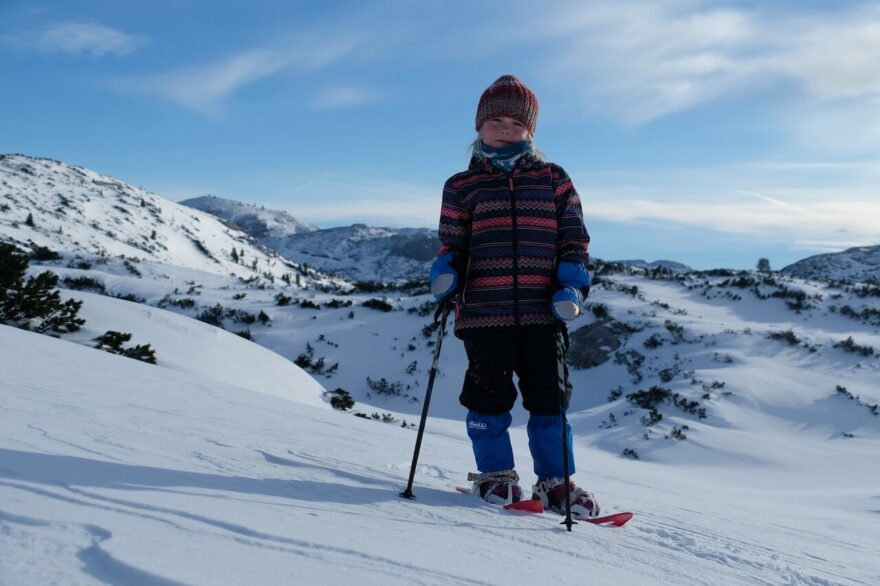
(444, 278)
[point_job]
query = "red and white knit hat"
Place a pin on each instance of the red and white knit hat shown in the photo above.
(508, 96)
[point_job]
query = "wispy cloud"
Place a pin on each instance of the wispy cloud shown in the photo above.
(342, 97)
(801, 210)
(643, 60)
(835, 221)
(810, 205)
(204, 87)
(77, 38)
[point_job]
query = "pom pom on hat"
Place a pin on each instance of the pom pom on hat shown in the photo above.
(508, 96)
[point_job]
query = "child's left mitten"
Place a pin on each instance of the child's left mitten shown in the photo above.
(566, 303)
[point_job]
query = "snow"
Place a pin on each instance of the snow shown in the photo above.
(223, 464)
(115, 471)
(215, 354)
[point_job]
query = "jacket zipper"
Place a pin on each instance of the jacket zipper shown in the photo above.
(515, 251)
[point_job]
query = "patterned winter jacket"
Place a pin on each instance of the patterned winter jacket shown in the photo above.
(508, 231)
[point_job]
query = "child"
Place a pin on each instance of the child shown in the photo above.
(513, 248)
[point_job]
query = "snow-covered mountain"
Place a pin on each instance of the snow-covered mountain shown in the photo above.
(358, 252)
(856, 264)
(364, 253)
(258, 221)
(70, 209)
(670, 265)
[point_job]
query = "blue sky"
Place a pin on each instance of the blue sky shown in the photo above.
(708, 132)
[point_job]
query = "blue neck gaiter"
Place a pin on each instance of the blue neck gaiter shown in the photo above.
(505, 157)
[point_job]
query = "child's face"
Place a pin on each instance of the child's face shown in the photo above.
(502, 131)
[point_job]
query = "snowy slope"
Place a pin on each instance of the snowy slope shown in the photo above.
(135, 474)
(191, 346)
(857, 264)
(257, 221)
(80, 212)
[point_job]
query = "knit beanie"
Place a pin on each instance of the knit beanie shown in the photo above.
(508, 96)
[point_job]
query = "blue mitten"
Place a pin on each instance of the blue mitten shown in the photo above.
(444, 278)
(574, 280)
(566, 303)
(574, 274)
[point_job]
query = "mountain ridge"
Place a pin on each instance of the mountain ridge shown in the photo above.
(860, 263)
(59, 206)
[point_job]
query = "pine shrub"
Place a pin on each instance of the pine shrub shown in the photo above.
(850, 345)
(384, 387)
(84, 284)
(630, 453)
(212, 315)
(379, 304)
(112, 341)
(600, 311)
(42, 253)
(340, 399)
(786, 336)
(34, 304)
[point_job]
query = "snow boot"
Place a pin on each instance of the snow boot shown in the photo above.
(499, 488)
(551, 492)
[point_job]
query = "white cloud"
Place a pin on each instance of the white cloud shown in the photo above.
(77, 38)
(849, 219)
(342, 97)
(644, 60)
(203, 88)
(834, 58)
(810, 205)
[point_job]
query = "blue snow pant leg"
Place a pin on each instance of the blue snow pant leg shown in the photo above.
(491, 441)
(545, 444)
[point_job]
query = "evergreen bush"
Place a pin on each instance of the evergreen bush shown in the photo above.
(34, 304)
(112, 341)
(379, 304)
(340, 399)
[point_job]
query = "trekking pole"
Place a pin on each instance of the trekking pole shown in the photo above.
(562, 381)
(439, 317)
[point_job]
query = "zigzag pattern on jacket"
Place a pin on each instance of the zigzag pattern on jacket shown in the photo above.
(510, 230)
(502, 264)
